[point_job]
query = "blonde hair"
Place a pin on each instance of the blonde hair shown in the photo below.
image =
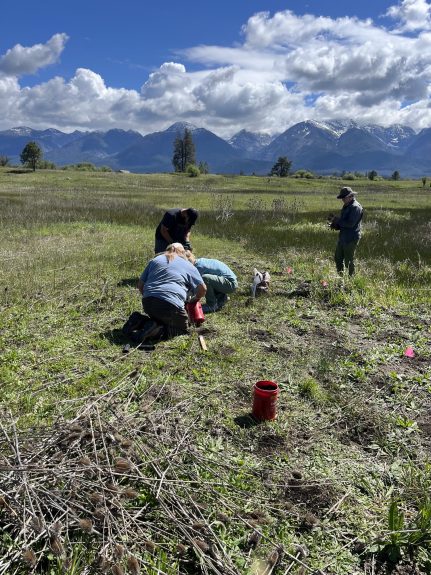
(174, 250)
(190, 257)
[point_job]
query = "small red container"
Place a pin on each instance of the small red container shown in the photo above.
(195, 312)
(265, 400)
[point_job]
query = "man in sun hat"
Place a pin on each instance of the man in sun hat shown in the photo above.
(349, 225)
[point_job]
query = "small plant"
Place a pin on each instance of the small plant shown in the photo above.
(406, 539)
(311, 389)
(222, 205)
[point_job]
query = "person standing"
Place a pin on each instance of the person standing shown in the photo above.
(349, 225)
(175, 227)
(219, 279)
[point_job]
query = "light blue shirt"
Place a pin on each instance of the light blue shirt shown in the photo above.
(170, 281)
(215, 268)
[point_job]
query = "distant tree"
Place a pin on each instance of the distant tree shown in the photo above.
(184, 151)
(189, 147)
(4, 161)
(178, 157)
(281, 168)
(372, 175)
(424, 181)
(204, 168)
(31, 155)
(396, 176)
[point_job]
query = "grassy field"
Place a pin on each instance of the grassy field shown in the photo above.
(115, 462)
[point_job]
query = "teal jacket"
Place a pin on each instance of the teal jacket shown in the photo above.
(216, 268)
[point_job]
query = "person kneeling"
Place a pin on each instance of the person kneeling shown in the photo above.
(164, 285)
(219, 279)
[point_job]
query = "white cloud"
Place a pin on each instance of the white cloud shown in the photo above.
(289, 68)
(412, 14)
(21, 60)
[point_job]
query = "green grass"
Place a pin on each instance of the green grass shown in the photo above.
(353, 412)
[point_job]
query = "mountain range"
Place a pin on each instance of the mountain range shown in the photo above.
(321, 147)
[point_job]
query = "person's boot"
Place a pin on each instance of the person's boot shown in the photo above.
(151, 330)
(222, 300)
(135, 321)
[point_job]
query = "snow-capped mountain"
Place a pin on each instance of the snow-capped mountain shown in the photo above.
(250, 144)
(320, 146)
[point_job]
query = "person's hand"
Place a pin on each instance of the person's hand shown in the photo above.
(333, 224)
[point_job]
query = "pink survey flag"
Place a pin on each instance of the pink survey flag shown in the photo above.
(409, 351)
(289, 270)
(324, 283)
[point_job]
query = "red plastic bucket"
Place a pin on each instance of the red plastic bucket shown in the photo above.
(265, 400)
(195, 312)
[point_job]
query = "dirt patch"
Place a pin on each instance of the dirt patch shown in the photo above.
(271, 442)
(316, 496)
(226, 351)
(260, 334)
(363, 424)
(205, 330)
(388, 568)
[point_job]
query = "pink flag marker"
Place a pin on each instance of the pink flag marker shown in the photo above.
(324, 283)
(409, 351)
(289, 270)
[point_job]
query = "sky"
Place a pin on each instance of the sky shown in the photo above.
(223, 65)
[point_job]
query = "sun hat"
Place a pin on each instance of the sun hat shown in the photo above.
(344, 192)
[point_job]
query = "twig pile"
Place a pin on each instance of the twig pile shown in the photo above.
(116, 489)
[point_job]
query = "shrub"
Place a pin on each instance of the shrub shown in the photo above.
(193, 171)
(46, 165)
(304, 174)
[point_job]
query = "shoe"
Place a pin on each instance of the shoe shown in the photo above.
(151, 330)
(209, 308)
(222, 300)
(135, 321)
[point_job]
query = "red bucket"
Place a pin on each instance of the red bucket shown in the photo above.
(195, 312)
(265, 400)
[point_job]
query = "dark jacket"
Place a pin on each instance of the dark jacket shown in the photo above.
(349, 222)
(172, 220)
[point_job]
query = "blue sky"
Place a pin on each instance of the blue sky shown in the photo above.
(225, 65)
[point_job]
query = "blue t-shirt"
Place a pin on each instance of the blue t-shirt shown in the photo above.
(215, 268)
(170, 281)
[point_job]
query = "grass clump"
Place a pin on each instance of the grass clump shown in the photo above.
(312, 390)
